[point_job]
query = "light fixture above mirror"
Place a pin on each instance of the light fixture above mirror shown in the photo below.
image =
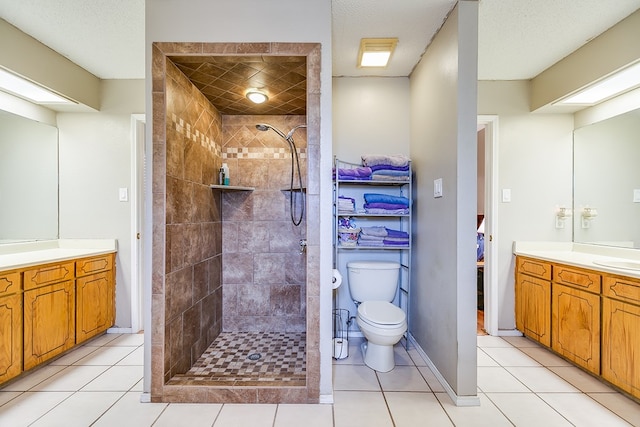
(26, 89)
(616, 84)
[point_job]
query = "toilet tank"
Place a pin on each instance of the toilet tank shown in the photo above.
(373, 280)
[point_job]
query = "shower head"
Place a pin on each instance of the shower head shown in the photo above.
(263, 127)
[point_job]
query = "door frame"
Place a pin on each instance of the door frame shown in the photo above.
(491, 294)
(138, 123)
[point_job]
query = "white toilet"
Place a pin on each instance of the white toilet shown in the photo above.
(373, 285)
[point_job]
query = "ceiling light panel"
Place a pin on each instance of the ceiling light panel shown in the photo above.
(28, 90)
(376, 52)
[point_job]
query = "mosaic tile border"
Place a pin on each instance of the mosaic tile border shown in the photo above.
(186, 129)
(261, 153)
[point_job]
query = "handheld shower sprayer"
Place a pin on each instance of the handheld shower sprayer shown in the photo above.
(295, 165)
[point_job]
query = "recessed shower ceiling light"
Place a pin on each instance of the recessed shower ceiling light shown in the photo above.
(376, 52)
(257, 96)
(28, 90)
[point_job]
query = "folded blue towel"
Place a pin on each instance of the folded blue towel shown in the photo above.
(397, 233)
(390, 172)
(389, 167)
(385, 198)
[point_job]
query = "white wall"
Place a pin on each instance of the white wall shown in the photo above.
(535, 163)
(444, 145)
(370, 116)
(95, 161)
(299, 21)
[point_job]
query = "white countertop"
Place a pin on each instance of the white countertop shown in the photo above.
(19, 255)
(581, 255)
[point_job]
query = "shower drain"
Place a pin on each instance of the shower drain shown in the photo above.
(254, 356)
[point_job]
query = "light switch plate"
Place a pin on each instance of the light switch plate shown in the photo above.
(506, 195)
(123, 194)
(636, 195)
(437, 187)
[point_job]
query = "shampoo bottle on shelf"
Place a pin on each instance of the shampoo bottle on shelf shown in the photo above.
(225, 169)
(221, 177)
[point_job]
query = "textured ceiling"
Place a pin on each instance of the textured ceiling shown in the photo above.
(517, 38)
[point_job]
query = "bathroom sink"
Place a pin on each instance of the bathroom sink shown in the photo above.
(629, 265)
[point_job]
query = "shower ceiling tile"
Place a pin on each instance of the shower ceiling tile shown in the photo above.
(224, 80)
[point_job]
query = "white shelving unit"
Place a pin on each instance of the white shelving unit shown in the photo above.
(356, 189)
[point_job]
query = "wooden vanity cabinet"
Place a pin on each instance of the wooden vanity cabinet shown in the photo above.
(621, 332)
(575, 302)
(533, 299)
(10, 325)
(47, 309)
(49, 312)
(94, 296)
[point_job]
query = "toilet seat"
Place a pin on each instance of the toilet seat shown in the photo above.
(381, 314)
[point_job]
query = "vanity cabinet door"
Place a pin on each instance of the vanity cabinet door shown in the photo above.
(576, 326)
(10, 336)
(621, 345)
(621, 332)
(533, 308)
(49, 322)
(94, 305)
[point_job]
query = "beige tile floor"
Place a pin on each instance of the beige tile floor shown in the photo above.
(519, 384)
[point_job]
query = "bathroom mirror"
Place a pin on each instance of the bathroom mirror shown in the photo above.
(607, 178)
(28, 180)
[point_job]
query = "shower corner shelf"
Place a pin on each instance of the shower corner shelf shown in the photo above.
(231, 187)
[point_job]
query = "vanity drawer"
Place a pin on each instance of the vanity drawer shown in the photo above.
(621, 288)
(9, 282)
(534, 267)
(48, 274)
(87, 266)
(577, 277)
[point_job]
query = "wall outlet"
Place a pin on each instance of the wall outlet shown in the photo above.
(636, 195)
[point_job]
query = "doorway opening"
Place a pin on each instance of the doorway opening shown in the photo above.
(488, 211)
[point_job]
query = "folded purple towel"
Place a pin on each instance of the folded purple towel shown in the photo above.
(359, 172)
(389, 206)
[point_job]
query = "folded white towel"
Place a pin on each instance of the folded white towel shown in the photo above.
(379, 159)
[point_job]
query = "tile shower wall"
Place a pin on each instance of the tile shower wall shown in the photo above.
(264, 272)
(193, 291)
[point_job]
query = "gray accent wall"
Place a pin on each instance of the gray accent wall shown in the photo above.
(443, 145)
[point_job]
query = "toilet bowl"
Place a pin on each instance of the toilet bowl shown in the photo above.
(383, 325)
(373, 285)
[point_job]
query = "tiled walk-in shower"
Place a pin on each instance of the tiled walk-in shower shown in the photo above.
(268, 359)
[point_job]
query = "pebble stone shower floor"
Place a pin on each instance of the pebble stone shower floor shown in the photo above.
(250, 359)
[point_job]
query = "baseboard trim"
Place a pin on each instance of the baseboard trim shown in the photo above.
(119, 331)
(457, 400)
(509, 333)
